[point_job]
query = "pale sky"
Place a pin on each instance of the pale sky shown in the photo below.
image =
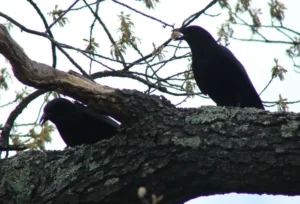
(257, 58)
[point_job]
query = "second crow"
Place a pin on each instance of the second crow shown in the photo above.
(78, 124)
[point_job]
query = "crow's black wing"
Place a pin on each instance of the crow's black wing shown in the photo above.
(88, 114)
(230, 57)
(248, 94)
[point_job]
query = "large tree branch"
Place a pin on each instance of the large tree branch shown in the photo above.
(180, 153)
(40, 75)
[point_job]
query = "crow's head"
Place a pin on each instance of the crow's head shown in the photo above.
(194, 34)
(57, 109)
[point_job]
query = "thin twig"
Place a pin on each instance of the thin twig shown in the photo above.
(48, 28)
(268, 84)
(143, 14)
(107, 32)
(54, 57)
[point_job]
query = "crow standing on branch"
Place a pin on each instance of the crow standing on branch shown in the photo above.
(217, 71)
(78, 124)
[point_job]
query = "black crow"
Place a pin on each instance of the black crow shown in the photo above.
(78, 124)
(217, 71)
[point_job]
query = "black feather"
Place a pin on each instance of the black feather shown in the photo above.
(217, 72)
(78, 124)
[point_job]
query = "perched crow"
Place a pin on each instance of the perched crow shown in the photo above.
(217, 71)
(77, 124)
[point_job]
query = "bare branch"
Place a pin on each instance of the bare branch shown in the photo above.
(16, 112)
(143, 14)
(54, 58)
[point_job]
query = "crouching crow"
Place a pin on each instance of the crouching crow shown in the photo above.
(217, 71)
(78, 124)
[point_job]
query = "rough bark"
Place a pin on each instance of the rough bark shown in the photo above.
(180, 153)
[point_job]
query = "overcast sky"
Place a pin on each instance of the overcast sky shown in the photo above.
(257, 58)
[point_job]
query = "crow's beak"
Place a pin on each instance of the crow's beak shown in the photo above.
(177, 34)
(44, 119)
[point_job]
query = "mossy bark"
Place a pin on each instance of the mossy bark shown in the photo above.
(180, 153)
